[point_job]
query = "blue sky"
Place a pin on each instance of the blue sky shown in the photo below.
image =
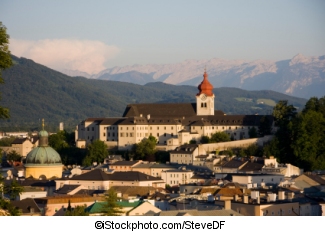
(94, 35)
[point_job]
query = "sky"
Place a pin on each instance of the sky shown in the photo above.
(91, 36)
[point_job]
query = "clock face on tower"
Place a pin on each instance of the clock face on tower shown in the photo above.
(203, 96)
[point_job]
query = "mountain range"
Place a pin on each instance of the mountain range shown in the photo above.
(300, 76)
(32, 91)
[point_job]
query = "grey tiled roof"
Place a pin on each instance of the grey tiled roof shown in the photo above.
(234, 163)
(67, 188)
(96, 174)
(26, 205)
(131, 176)
(99, 175)
(185, 149)
(112, 121)
(37, 183)
(19, 141)
(124, 163)
(160, 110)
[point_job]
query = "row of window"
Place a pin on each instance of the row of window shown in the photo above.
(280, 212)
(217, 127)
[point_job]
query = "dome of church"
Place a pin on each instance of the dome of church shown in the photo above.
(205, 86)
(43, 154)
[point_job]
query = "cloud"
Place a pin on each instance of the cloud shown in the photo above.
(61, 54)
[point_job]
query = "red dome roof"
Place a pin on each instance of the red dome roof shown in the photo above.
(205, 86)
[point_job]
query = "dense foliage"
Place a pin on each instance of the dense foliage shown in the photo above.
(6, 142)
(145, 148)
(76, 211)
(14, 156)
(63, 142)
(33, 92)
(13, 190)
(215, 138)
(300, 139)
(5, 61)
(96, 152)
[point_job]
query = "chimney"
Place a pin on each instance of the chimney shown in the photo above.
(140, 115)
(148, 117)
(291, 195)
(258, 200)
(236, 197)
(227, 205)
(281, 195)
(255, 194)
(245, 197)
(271, 197)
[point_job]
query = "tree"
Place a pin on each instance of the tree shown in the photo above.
(251, 150)
(284, 116)
(5, 62)
(6, 142)
(162, 156)
(7, 209)
(205, 139)
(283, 113)
(219, 137)
(308, 142)
(315, 104)
(76, 211)
(96, 152)
(14, 189)
(58, 141)
(252, 132)
(14, 156)
(145, 148)
(265, 126)
(111, 206)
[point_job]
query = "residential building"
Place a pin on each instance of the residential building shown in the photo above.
(56, 205)
(153, 168)
(147, 207)
(177, 177)
(98, 179)
(124, 165)
(22, 146)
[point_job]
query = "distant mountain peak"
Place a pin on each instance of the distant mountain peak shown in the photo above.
(299, 58)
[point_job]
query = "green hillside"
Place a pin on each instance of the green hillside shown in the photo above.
(33, 91)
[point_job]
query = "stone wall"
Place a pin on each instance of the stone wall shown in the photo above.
(206, 148)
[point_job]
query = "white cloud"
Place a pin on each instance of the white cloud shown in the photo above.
(59, 54)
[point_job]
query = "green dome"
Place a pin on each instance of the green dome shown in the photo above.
(43, 155)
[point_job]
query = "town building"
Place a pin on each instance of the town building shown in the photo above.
(172, 124)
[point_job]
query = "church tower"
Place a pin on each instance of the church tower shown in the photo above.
(205, 97)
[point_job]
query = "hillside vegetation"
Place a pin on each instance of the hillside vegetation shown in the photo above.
(33, 91)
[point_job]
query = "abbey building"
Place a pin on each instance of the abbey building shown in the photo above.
(172, 124)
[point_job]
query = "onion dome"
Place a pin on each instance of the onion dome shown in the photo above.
(43, 154)
(205, 86)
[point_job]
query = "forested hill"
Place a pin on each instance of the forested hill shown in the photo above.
(33, 91)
